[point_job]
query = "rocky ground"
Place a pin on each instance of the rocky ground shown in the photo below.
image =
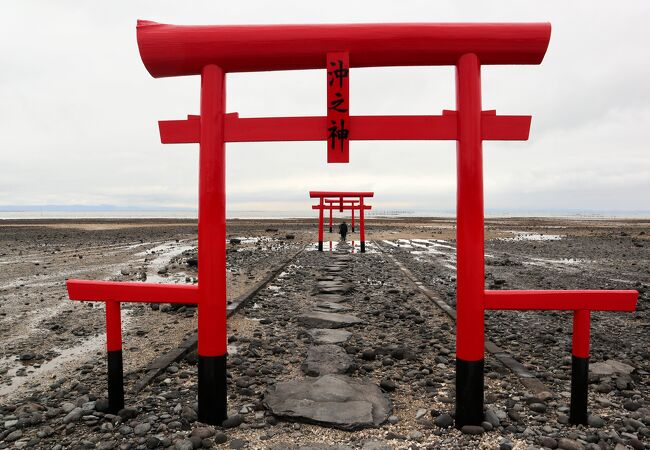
(347, 330)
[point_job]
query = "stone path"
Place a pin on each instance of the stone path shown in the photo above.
(327, 395)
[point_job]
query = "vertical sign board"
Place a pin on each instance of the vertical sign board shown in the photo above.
(338, 107)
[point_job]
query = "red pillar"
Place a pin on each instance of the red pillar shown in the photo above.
(580, 367)
(114, 357)
(362, 226)
(331, 218)
(469, 243)
(320, 226)
(212, 346)
(353, 217)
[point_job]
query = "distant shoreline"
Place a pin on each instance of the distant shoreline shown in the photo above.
(83, 218)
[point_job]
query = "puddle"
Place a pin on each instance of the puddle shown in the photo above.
(56, 364)
(525, 236)
(163, 255)
(561, 262)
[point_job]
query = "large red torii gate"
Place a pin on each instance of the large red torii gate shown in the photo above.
(213, 51)
(352, 201)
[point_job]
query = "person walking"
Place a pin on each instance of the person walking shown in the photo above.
(343, 230)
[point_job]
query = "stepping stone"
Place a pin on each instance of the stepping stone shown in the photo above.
(331, 307)
(329, 336)
(317, 319)
(327, 359)
(333, 298)
(333, 287)
(309, 446)
(331, 400)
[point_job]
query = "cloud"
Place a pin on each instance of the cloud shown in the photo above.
(78, 111)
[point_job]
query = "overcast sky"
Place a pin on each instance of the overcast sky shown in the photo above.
(79, 112)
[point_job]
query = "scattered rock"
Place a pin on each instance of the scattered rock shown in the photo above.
(569, 444)
(232, 421)
(472, 429)
(444, 421)
(595, 421)
(610, 367)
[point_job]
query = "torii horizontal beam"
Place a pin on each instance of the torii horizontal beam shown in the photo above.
(341, 208)
(334, 194)
(177, 50)
(569, 300)
(122, 291)
(362, 128)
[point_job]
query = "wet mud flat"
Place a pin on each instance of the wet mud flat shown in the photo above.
(402, 343)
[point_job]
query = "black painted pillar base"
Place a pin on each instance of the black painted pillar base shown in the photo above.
(213, 400)
(330, 229)
(320, 246)
(115, 381)
(353, 229)
(363, 246)
(579, 388)
(469, 392)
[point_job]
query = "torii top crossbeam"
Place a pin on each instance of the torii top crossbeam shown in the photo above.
(176, 50)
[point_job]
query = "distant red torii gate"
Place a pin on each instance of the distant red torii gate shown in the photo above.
(214, 51)
(353, 201)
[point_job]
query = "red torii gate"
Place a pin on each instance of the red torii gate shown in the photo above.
(353, 201)
(213, 51)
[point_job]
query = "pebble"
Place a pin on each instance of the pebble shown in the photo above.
(548, 442)
(415, 435)
(127, 413)
(232, 421)
(492, 417)
(203, 432)
(393, 419)
(152, 442)
(472, 429)
(220, 437)
(101, 405)
(537, 407)
(189, 414)
(387, 385)
(185, 444)
(141, 429)
(237, 443)
(631, 405)
(73, 416)
(569, 444)
(444, 421)
(595, 421)
(14, 436)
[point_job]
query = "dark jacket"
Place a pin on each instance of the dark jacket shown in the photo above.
(343, 228)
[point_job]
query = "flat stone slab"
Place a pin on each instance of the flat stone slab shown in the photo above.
(333, 287)
(331, 400)
(329, 336)
(332, 307)
(327, 359)
(318, 319)
(610, 367)
(333, 298)
(310, 446)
